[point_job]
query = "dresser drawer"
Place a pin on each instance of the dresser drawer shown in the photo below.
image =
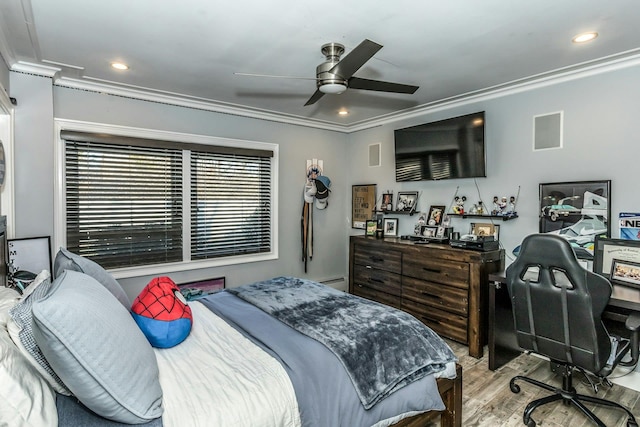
(378, 258)
(375, 295)
(437, 270)
(436, 295)
(379, 280)
(443, 322)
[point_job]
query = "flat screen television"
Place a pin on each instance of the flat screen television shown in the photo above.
(446, 149)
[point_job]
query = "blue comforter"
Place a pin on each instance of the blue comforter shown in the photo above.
(381, 348)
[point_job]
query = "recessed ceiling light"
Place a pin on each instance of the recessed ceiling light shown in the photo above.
(119, 66)
(585, 37)
(343, 112)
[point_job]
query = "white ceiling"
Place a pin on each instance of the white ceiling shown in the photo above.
(190, 49)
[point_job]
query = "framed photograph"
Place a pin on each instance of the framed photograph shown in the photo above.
(387, 202)
(441, 233)
(193, 290)
(32, 254)
(407, 201)
(485, 229)
(436, 215)
(607, 249)
(363, 203)
(578, 211)
(428, 231)
(625, 273)
(372, 227)
(391, 227)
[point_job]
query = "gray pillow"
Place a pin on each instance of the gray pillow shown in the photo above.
(66, 260)
(22, 332)
(95, 347)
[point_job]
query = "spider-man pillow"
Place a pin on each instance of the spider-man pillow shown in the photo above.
(162, 313)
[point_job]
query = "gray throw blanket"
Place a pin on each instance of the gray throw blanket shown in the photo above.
(381, 348)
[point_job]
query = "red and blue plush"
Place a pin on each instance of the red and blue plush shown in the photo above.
(162, 313)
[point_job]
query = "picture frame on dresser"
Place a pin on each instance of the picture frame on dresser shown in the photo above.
(485, 229)
(428, 231)
(436, 215)
(363, 204)
(390, 227)
(371, 227)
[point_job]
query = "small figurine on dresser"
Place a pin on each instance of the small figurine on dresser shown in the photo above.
(422, 220)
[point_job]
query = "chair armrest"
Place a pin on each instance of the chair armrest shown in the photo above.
(633, 324)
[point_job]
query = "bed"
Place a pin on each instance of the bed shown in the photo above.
(254, 356)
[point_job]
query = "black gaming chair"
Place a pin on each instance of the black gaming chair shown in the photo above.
(557, 309)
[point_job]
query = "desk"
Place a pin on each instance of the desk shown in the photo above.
(503, 346)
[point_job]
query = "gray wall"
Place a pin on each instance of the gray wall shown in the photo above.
(600, 114)
(600, 142)
(39, 102)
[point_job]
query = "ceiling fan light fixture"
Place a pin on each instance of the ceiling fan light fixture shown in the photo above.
(333, 88)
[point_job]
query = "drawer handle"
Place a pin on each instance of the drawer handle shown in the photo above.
(376, 259)
(429, 319)
(368, 266)
(373, 279)
(427, 294)
(432, 270)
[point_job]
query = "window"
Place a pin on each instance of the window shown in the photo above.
(132, 202)
(230, 205)
(124, 203)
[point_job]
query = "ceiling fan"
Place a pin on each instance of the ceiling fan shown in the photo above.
(334, 76)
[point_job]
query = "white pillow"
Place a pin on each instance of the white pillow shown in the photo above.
(95, 347)
(27, 399)
(8, 298)
(21, 331)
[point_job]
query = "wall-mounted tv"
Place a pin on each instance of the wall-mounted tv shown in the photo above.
(446, 149)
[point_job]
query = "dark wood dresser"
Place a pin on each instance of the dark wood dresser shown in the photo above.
(444, 287)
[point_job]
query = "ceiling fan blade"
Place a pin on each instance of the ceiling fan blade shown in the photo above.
(314, 98)
(355, 59)
(366, 84)
(274, 76)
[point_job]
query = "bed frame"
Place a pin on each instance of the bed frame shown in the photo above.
(451, 392)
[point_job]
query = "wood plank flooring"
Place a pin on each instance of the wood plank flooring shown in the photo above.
(487, 400)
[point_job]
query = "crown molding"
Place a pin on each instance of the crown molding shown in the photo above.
(612, 63)
(615, 62)
(192, 102)
(37, 69)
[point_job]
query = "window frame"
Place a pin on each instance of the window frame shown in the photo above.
(186, 264)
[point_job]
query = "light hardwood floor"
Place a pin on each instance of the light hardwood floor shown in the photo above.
(487, 400)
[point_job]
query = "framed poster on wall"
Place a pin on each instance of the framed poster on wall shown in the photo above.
(363, 203)
(578, 211)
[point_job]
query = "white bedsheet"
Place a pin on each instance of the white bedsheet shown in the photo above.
(217, 377)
